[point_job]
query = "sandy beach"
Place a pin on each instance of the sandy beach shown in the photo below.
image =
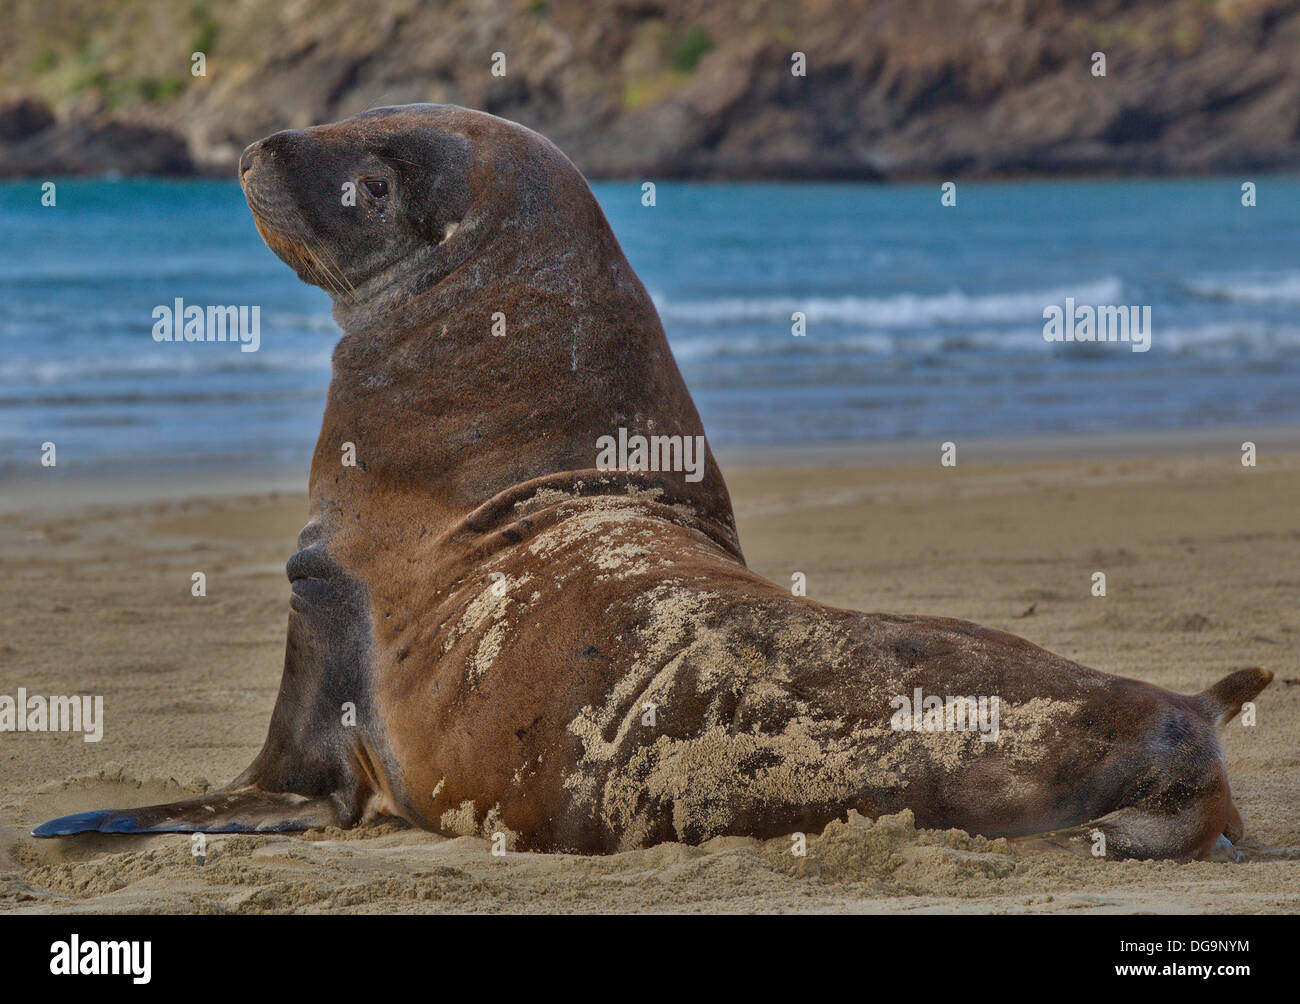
(1201, 556)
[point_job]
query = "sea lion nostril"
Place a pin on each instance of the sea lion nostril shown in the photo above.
(246, 158)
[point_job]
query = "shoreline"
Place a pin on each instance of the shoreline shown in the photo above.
(221, 480)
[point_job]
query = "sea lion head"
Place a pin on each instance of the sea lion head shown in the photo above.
(379, 207)
(352, 205)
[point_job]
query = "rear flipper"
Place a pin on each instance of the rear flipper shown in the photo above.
(239, 810)
(1125, 834)
(1133, 833)
(1137, 833)
(1221, 703)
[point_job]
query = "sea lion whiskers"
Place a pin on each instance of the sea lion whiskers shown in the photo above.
(329, 261)
(295, 249)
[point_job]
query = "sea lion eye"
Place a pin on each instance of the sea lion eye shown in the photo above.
(377, 187)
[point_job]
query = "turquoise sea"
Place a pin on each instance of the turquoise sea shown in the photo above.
(922, 320)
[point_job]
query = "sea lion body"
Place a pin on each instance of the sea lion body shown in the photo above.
(489, 635)
(771, 713)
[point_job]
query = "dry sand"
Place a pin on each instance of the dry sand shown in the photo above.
(1202, 558)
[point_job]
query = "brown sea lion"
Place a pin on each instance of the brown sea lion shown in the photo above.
(489, 635)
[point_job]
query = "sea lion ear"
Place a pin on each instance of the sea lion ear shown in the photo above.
(435, 229)
(442, 214)
(448, 230)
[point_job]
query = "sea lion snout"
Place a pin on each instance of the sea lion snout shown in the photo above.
(280, 145)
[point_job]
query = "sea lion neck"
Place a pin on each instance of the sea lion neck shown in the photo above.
(512, 368)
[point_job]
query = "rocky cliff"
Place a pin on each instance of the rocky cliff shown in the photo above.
(696, 88)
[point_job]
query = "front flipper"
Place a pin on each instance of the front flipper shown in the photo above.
(322, 763)
(240, 810)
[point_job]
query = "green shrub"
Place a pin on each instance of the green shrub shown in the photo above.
(690, 49)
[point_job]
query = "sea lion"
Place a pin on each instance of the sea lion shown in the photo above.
(489, 635)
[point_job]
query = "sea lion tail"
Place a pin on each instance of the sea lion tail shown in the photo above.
(1220, 703)
(231, 810)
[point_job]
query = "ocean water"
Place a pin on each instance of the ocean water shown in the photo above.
(922, 320)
